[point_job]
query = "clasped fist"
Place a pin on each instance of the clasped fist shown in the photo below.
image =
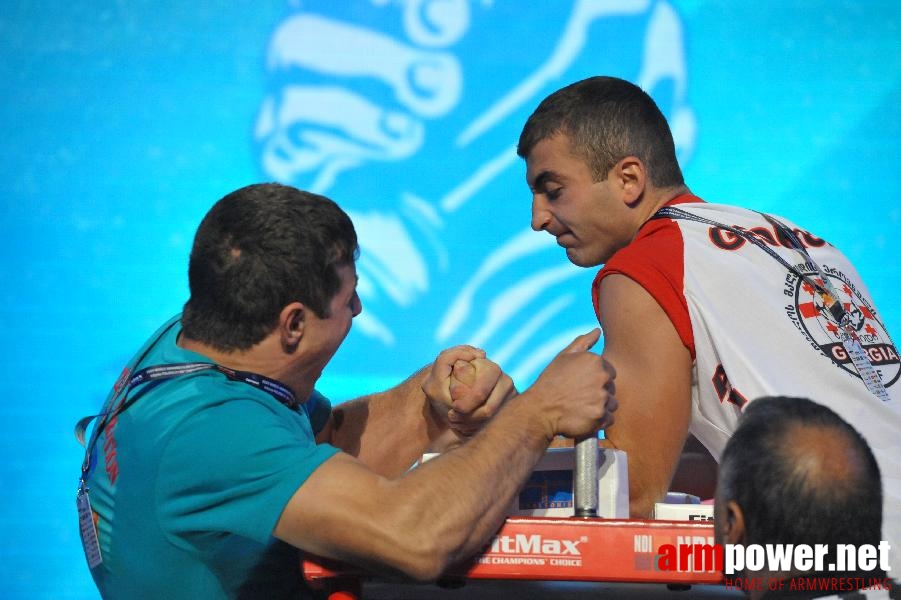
(466, 389)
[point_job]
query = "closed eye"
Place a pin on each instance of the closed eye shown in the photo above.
(546, 185)
(553, 193)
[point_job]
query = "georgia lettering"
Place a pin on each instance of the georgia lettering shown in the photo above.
(729, 240)
(808, 313)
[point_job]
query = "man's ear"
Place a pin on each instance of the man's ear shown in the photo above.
(291, 323)
(631, 177)
(733, 525)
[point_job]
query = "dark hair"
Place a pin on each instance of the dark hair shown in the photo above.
(258, 249)
(606, 119)
(783, 494)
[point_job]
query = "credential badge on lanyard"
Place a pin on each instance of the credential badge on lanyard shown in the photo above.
(87, 518)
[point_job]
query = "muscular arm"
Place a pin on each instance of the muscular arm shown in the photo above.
(390, 430)
(387, 431)
(445, 510)
(653, 387)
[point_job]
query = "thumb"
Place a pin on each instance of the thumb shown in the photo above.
(464, 371)
(463, 375)
(583, 342)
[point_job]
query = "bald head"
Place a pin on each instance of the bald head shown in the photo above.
(801, 474)
(822, 457)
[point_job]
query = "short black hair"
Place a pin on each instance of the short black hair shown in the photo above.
(607, 119)
(258, 249)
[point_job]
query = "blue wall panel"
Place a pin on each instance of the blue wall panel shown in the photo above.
(123, 122)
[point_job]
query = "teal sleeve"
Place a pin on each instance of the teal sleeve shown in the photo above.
(232, 468)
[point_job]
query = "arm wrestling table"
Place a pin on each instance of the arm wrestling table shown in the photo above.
(556, 549)
(580, 548)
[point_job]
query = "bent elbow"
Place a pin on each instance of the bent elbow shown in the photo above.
(424, 544)
(426, 562)
(426, 571)
(642, 507)
(643, 496)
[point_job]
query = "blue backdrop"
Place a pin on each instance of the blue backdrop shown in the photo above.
(123, 122)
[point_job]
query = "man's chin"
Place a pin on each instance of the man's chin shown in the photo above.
(580, 259)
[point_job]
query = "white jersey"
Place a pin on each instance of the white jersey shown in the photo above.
(757, 328)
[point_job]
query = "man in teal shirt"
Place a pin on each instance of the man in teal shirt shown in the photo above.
(215, 460)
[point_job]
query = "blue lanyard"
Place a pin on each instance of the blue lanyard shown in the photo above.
(126, 395)
(672, 212)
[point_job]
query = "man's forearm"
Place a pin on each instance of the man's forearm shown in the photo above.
(432, 517)
(452, 504)
(389, 430)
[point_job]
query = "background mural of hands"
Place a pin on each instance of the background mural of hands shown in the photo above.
(123, 123)
(407, 113)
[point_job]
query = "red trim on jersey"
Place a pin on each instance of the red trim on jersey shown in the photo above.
(683, 199)
(655, 260)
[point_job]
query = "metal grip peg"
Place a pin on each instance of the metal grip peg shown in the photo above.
(585, 477)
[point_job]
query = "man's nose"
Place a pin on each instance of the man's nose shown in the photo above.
(541, 216)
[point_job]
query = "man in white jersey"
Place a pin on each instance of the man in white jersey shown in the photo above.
(704, 306)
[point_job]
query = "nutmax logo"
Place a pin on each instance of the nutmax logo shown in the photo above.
(535, 544)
